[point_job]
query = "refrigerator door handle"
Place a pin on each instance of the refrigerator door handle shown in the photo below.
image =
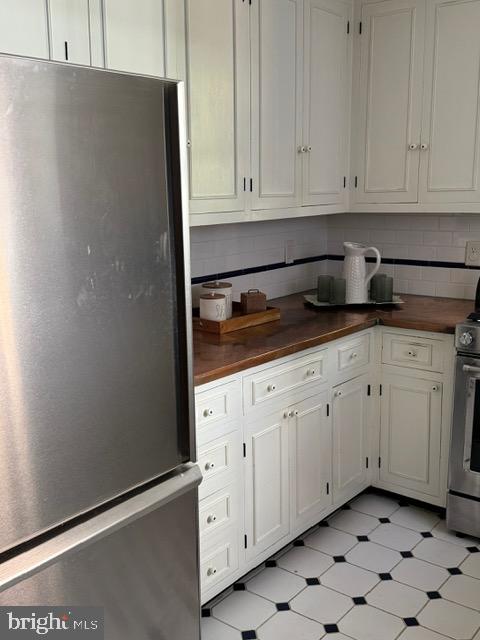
(98, 526)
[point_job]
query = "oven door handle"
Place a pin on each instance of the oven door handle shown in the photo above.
(470, 368)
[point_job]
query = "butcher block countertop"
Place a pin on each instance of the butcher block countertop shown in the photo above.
(302, 327)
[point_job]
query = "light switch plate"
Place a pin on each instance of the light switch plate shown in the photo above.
(472, 253)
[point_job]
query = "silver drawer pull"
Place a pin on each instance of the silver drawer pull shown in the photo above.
(311, 372)
(435, 387)
(354, 355)
(338, 394)
(412, 354)
(207, 413)
(211, 518)
(211, 571)
(471, 368)
(271, 387)
(209, 466)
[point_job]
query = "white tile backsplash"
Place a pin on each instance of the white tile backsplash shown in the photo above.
(222, 248)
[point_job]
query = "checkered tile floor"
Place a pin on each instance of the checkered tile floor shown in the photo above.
(378, 569)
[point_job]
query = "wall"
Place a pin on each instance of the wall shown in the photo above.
(424, 253)
(252, 254)
(427, 251)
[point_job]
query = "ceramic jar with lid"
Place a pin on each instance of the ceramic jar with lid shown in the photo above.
(223, 288)
(213, 306)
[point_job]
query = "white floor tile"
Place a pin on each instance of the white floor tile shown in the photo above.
(305, 562)
(286, 625)
(322, 604)
(395, 537)
(374, 505)
(331, 541)
(419, 633)
(471, 566)
(462, 590)
(440, 552)
(415, 518)
(368, 623)
(420, 574)
(348, 579)
(276, 584)
(397, 598)
(215, 630)
(449, 618)
(358, 524)
(441, 531)
(374, 557)
(244, 610)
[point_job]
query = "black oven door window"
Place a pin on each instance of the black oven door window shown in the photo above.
(474, 453)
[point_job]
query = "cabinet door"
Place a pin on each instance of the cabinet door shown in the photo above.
(218, 103)
(450, 162)
(24, 28)
(390, 108)
(267, 483)
(70, 31)
(350, 438)
(134, 36)
(326, 101)
(276, 36)
(311, 454)
(410, 433)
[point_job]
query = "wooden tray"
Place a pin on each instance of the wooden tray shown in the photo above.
(237, 321)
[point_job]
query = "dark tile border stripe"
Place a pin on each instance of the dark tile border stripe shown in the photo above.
(327, 256)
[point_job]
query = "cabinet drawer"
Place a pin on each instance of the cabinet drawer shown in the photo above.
(219, 561)
(217, 511)
(216, 405)
(354, 353)
(218, 462)
(265, 385)
(410, 351)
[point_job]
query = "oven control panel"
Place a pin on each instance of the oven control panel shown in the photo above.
(467, 337)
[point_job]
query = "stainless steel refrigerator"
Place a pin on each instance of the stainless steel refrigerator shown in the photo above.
(98, 489)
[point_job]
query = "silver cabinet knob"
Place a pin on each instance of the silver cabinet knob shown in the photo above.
(311, 372)
(209, 466)
(424, 146)
(271, 387)
(412, 354)
(435, 387)
(302, 149)
(211, 571)
(207, 413)
(338, 394)
(412, 146)
(295, 413)
(354, 355)
(189, 144)
(309, 148)
(212, 518)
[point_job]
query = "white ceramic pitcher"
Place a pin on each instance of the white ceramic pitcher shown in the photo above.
(355, 271)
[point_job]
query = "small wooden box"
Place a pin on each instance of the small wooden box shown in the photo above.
(253, 301)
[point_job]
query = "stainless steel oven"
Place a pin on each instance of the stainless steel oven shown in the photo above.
(463, 502)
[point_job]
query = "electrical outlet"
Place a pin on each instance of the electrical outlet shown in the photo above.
(472, 253)
(289, 251)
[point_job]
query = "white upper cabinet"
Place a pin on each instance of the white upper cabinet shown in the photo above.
(134, 36)
(390, 101)
(218, 101)
(70, 31)
(451, 136)
(24, 28)
(326, 91)
(276, 36)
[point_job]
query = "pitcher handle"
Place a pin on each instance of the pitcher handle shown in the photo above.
(377, 265)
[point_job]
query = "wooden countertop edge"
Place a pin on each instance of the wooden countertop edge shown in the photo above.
(269, 356)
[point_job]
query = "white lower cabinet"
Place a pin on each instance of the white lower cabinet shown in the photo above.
(371, 408)
(310, 460)
(350, 437)
(266, 482)
(410, 432)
